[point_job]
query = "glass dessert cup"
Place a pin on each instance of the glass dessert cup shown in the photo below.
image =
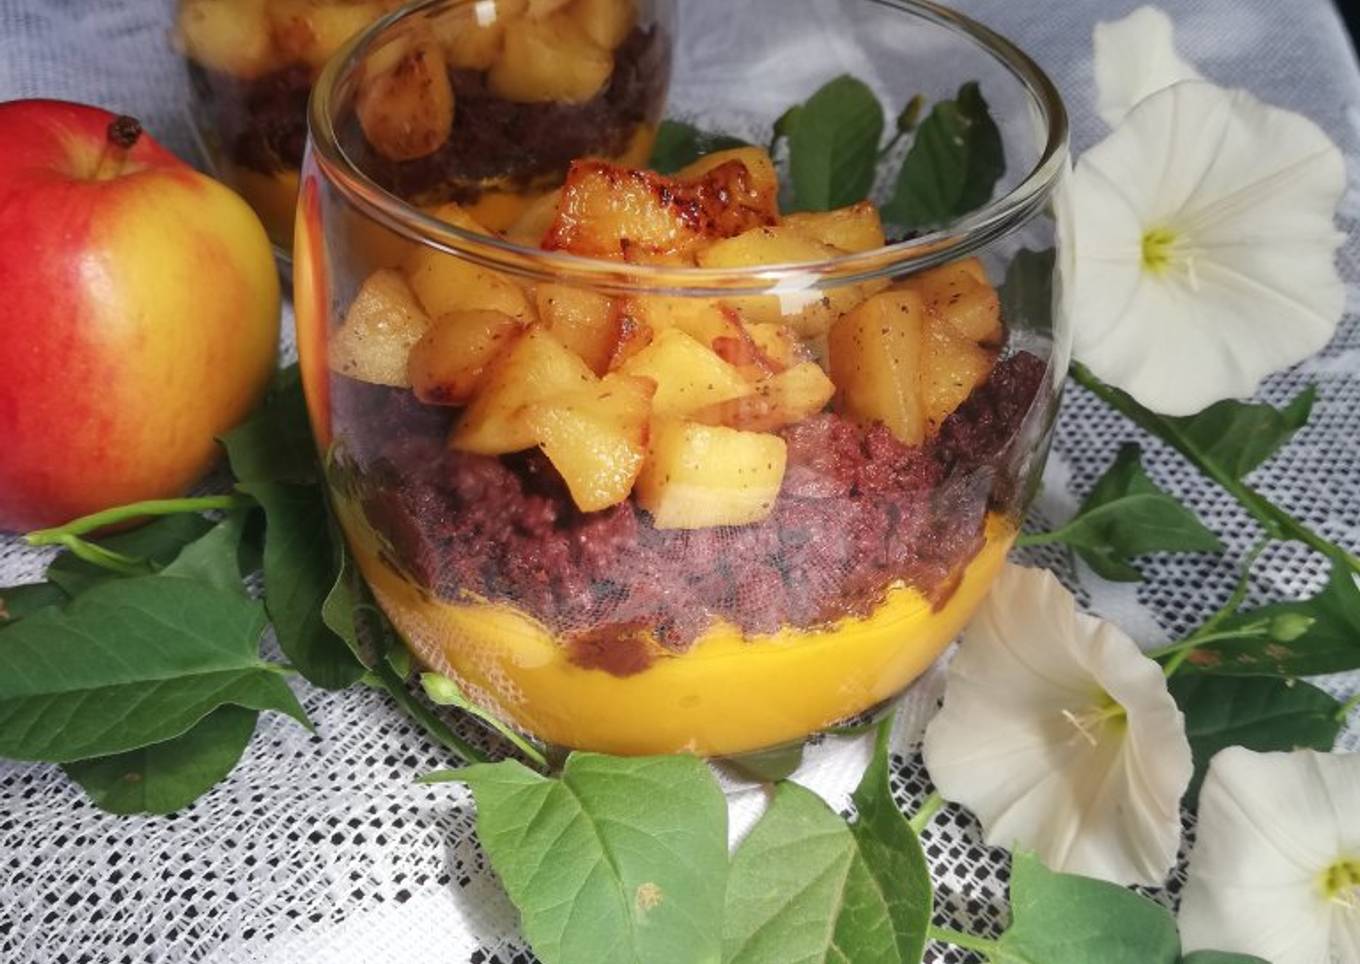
(657, 468)
(252, 65)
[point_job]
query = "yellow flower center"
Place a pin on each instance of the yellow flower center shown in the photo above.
(1341, 883)
(1090, 721)
(1158, 249)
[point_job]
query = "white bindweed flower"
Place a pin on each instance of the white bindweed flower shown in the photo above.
(1061, 736)
(1135, 57)
(1205, 247)
(1275, 870)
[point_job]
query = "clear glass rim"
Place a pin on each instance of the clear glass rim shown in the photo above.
(1001, 216)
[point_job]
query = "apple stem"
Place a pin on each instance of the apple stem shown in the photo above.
(122, 136)
(136, 510)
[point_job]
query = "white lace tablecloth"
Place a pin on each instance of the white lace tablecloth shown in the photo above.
(318, 848)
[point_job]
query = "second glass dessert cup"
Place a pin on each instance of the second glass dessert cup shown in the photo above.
(647, 482)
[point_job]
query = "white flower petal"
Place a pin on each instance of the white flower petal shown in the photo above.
(1248, 191)
(1270, 824)
(1103, 800)
(1135, 57)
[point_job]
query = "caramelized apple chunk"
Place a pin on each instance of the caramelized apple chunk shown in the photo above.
(550, 59)
(228, 36)
(445, 283)
(309, 31)
(780, 400)
(472, 35)
(405, 101)
(382, 325)
(954, 366)
(583, 320)
(877, 354)
(854, 228)
(606, 22)
(960, 294)
(761, 183)
(688, 376)
(696, 476)
(533, 223)
(596, 438)
(536, 367)
(608, 211)
(447, 364)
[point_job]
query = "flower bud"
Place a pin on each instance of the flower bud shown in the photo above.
(1287, 627)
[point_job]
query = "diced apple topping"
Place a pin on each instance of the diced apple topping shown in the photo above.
(960, 294)
(535, 368)
(854, 228)
(704, 321)
(877, 352)
(762, 183)
(310, 31)
(780, 345)
(382, 325)
(697, 476)
(445, 283)
(607, 22)
(596, 438)
(954, 366)
(809, 313)
(550, 59)
(534, 221)
(538, 9)
(688, 376)
(472, 35)
(585, 321)
(608, 211)
(780, 400)
(447, 364)
(229, 36)
(405, 101)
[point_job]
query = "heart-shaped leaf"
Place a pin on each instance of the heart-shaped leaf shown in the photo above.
(833, 145)
(275, 444)
(129, 663)
(16, 602)
(212, 558)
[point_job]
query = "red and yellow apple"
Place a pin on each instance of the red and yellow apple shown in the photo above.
(139, 319)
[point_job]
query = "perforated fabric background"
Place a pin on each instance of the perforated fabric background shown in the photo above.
(318, 848)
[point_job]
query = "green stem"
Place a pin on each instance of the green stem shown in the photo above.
(893, 142)
(984, 945)
(929, 807)
(385, 678)
(135, 510)
(1277, 522)
(1181, 651)
(1347, 707)
(97, 555)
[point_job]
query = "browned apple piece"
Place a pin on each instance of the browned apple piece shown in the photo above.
(585, 321)
(533, 223)
(606, 22)
(633, 335)
(877, 353)
(227, 36)
(405, 101)
(762, 183)
(447, 364)
(472, 35)
(780, 344)
(607, 211)
(954, 366)
(444, 282)
(780, 400)
(596, 438)
(703, 320)
(310, 31)
(698, 476)
(535, 368)
(382, 325)
(809, 313)
(549, 59)
(959, 293)
(688, 375)
(854, 228)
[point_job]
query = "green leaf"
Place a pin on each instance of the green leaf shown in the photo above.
(1221, 957)
(1127, 515)
(833, 145)
(804, 886)
(619, 861)
(679, 144)
(129, 663)
(168, 776)
(299, 575)
(16, 602)
(953, 165)
(212, 559)
(1239, 436)
(1261, 713)
(1329, 644)
(1067, 919)
(275, 444)
(159, 542)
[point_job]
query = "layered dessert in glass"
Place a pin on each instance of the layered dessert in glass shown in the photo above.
(657, 464)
